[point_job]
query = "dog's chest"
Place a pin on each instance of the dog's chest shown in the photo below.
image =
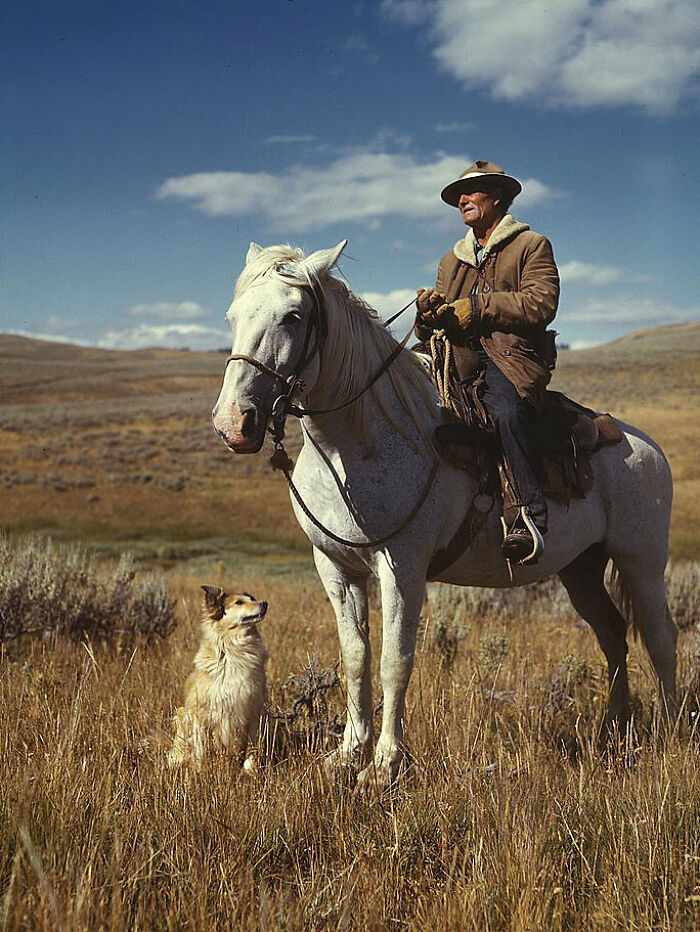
(234, 677)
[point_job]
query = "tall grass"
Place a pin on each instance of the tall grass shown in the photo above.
(509, 818)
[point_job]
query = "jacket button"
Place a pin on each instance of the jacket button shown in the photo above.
(486, 288)
(506, 352)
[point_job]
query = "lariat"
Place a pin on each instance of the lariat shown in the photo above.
(441, 353)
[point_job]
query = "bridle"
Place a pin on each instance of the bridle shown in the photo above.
(283, 406)
(316, 323)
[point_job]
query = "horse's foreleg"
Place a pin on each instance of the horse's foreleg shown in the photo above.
(348, 596)
(402, 598)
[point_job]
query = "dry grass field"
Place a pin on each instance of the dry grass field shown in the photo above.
(509, 818)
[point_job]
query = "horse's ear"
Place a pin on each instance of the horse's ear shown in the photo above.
(253, 251)
(324, 260)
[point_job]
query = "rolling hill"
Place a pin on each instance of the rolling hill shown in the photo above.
(115, 448)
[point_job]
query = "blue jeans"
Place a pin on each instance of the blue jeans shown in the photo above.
(513, 419)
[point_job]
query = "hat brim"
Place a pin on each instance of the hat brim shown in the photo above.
(452, 192)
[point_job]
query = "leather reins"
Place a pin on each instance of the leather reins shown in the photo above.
(282, 407)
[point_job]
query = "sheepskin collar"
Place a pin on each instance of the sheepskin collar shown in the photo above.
(506, 230)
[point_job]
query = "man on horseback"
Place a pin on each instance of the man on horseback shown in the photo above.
(495, 295)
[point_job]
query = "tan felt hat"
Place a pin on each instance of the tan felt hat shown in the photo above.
(472, 177)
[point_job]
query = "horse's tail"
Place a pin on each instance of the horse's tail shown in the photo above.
(621, 596)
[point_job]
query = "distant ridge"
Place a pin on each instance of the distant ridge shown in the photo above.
(684, 336)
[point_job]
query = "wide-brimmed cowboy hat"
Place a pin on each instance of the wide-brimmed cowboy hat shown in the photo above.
(474, 176)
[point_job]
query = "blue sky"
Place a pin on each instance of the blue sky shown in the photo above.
(146, 144)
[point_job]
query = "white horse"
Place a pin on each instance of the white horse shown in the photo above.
(369, 475)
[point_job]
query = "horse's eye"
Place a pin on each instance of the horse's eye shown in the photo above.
(292, 317)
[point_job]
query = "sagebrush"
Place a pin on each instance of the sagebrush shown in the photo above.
(52, 590)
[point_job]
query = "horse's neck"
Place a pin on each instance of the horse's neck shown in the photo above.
(386, 426)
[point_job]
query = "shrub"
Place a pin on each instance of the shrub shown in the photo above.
(493, 650)
(683, 590)
(50, 590)
(453, 607)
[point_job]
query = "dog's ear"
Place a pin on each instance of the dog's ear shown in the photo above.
(214, 599)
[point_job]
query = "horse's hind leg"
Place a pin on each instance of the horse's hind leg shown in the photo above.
(583, 580)
(642, 583)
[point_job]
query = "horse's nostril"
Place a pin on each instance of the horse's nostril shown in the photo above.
(215, 410)
(248, 422)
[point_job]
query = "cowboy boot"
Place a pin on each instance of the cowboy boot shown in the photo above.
(522, 542)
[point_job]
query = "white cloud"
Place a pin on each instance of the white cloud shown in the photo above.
(573, 52)
(169, 310)
(389, 303)
(586, 344)
(629, 310)
(56, 322)
(361, 186)
(170, 336)
(592, 275)
(406, 12)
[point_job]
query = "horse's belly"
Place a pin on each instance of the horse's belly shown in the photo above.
(571, 531)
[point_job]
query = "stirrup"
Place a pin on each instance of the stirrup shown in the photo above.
(522, 545)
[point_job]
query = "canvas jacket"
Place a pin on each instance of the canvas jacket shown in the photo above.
(515, 299)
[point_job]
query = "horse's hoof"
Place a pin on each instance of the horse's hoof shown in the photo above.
(376, 778)
(343, 766)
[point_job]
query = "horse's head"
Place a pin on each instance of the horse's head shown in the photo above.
(275, 316)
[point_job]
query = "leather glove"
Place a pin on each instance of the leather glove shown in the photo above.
(457, 316)
(428, 302)
(455, 319)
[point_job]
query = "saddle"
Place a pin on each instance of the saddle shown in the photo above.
(566, 435)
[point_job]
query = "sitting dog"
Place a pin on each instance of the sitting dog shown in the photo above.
(225, 693)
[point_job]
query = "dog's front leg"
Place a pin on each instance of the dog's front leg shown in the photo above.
(251, 764)
(181, 746)
(190, 737)
(348, 596)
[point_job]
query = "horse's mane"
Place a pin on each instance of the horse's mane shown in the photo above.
(355, 344)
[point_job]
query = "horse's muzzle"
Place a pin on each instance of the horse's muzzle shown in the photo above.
(241, 431)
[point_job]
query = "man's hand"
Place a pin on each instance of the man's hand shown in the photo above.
(434, 313)
(428, 302)
(457, 316)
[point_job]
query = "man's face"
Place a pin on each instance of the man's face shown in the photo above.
(478, 207)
